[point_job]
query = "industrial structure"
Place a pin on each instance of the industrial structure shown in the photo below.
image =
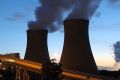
(26, 65)
(77, 54)
(37, 49)
(11, 55)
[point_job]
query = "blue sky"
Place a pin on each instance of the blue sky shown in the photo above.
(104, 30)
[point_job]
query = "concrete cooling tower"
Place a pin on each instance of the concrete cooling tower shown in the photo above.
(37, 49)
(77, 54)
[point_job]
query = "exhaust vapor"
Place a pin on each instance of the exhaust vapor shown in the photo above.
(50, 13)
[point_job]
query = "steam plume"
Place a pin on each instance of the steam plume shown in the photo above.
(49, 15)
(84, 9)
(116, 48)
(114, 3)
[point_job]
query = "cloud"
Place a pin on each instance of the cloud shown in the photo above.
(114, 3)
(50, 14)
(116, 49)
(106, 68)
(10, 19)
(29, 8)
(18, 16)
(97, 14)
(106, 27)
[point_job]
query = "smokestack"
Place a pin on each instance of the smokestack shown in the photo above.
(37, 49)
(77, 54)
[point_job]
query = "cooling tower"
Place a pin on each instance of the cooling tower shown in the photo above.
(37, 49)
(77, 54)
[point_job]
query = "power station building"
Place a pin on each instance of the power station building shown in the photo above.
(76, 55)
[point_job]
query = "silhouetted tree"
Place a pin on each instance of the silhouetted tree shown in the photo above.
(51, 71)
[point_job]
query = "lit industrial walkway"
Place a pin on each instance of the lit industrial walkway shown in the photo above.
(36, 67)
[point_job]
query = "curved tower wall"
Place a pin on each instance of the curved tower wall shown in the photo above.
(77, 54)
(37, 49)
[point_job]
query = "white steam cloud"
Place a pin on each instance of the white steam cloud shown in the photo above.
(49, 15)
